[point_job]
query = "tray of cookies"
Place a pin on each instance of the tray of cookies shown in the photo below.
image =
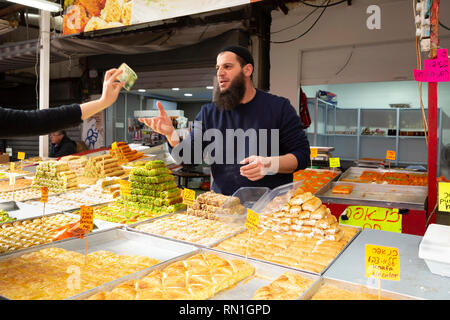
(61, 270)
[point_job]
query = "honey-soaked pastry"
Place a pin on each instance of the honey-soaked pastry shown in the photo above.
(332, 292)
(288, 286)
(301, 198)
(196, 278)
(312, 204)
(55, 273)
(295, 249)
(342, 189)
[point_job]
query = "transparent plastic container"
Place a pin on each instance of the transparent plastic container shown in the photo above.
(234, 210)
(435, 249)
(276, 198)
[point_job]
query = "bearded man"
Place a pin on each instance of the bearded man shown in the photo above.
(273, 145)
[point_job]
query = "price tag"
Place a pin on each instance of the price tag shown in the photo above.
(86, 218)
(114, 145)
(382, 262)
(377, 218)
(252, 221)
(314, 152)
(44, 194)
(390, 155)
(444, 196)
(125, 189)
(21, 155)
(12, 179)
(335, 162)
(12, 166)
(188, 197)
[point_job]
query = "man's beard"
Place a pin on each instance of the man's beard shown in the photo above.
(229, 98)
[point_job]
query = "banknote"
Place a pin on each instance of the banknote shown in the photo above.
(128, 76)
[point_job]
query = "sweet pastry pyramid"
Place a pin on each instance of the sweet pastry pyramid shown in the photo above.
(303, 215)
(208, 204)
(153, 189)
(103, 166)
(196, 278)
(55, 175)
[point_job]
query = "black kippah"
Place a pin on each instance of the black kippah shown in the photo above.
(241, 52)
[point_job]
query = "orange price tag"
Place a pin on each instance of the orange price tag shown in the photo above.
(87, 218)
(382, 262)
(21, 155)
(314, 153)
(390, 155)
(44, 194)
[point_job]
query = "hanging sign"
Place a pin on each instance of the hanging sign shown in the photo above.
(435, 70)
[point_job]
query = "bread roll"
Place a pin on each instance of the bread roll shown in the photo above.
(312, 204)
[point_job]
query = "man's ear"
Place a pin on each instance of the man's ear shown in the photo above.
(248, 70)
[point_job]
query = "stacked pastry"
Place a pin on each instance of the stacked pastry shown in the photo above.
(303, 252)
(54, 273)
(75, 163)
(288, 286)
(4, 217)
(303, 215)
(196, 278)
(124, 153)
(19, 184)
(153, 189)
(208, 204)
(189, 228)
(32, 232)
(103, 166)
(56, 176)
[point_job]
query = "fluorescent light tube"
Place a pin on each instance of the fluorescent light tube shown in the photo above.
(40, 4)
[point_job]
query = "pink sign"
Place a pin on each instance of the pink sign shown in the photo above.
(436, 70)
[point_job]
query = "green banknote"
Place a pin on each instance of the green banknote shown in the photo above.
(128, 76)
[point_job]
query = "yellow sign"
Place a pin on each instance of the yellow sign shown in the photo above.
(390, 155)
(12, 166)
(188, 197)
(114, 145)
(44, 194)
(252, 221)
(21, 155)
(444, 196)
(335, 163)
(385, 219)
(382, 262)
(125, 189)
(314, 153)
(86, 218)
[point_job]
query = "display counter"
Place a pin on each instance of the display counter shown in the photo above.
(416, 280)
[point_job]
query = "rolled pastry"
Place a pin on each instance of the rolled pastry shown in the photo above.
(312, 204)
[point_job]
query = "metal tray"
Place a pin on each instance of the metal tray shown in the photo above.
(385, 196)
(244, 290)
(118, 241)
(355, 172)
(210, 244)
(352, 287)
(359, 229)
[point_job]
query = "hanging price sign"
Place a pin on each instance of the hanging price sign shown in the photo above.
(382, 262)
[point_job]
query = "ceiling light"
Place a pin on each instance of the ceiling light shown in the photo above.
(188, 94)
(141, 90)
(209, 87)
(175, 89)
(40, 4)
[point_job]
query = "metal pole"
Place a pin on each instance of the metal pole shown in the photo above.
(44, 73)
(432, 111)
